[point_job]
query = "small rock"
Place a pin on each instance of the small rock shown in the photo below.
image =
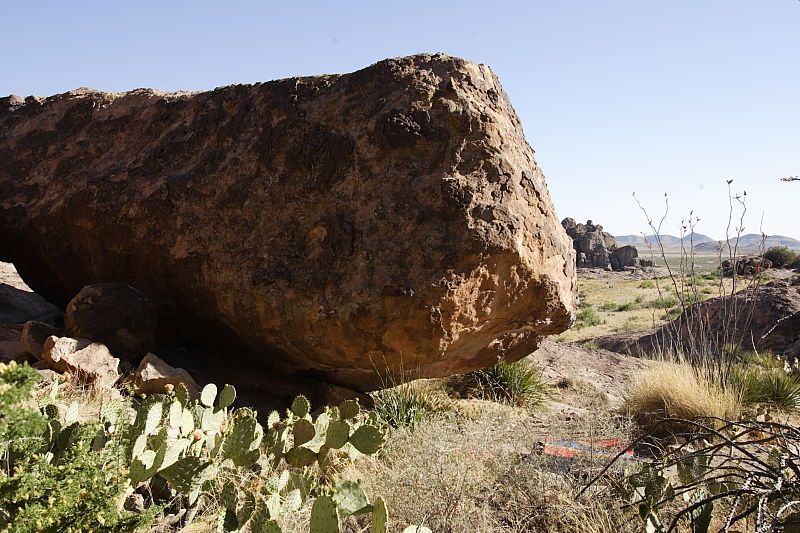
(134, 503)
(47, 376)
(154, 374)
(89, 361)
(34, 335)
(116, 314)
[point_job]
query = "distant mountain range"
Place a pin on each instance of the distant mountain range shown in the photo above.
(749, 243)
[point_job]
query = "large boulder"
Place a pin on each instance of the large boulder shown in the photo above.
(390, 218)
(115, 314)
(624, 256)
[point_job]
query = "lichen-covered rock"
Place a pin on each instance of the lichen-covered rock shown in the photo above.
(115, 314)
(391, 217)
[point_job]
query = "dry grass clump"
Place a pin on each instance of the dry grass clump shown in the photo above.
(679, 390)
(485, 473)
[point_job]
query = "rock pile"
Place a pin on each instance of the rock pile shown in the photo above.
(596, 248)
(745, 266)
(389, 218)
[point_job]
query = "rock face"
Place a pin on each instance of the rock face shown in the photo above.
(34, 335)
(115, 314)
(390, 217)
(595, 248)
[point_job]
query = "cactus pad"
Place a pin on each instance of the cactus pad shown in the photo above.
(380, 516)
(349, 409)
(303, 431)
(337, 435)
(351, 499)
(208, 395)
(226, 397)
(300, 407)
(367, 439)
(300, 456)
(324, 516)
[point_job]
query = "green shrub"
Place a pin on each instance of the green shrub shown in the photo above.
(517, 383)
(647, 284)
(61, 474)
(56, 484)
(672, 313)
(780, 256)
(587, 317)
(662, 302)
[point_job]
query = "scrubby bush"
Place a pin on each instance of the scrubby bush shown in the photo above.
(587, 317)
(54, 476)
(662, 302)
(780, 256)
(721, 475)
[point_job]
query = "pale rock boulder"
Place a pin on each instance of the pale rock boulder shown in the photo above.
(88, 361)
(153, 375)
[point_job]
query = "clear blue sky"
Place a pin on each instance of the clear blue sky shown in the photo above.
(615, 96)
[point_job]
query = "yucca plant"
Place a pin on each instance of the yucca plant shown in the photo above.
(768, 386)
(518, 383)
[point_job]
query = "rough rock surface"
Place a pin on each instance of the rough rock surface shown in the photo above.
(115, 314)
(154, 374)
(766, 318)
(624, 256)
(391, 216)
(745, 266)
(89, 361)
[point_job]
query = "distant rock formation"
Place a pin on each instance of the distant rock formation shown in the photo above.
(595, 248)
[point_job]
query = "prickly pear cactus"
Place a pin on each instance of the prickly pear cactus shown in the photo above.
(324, 516)
(380, 516)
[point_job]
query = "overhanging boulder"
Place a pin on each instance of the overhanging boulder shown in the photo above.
(390, 217)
